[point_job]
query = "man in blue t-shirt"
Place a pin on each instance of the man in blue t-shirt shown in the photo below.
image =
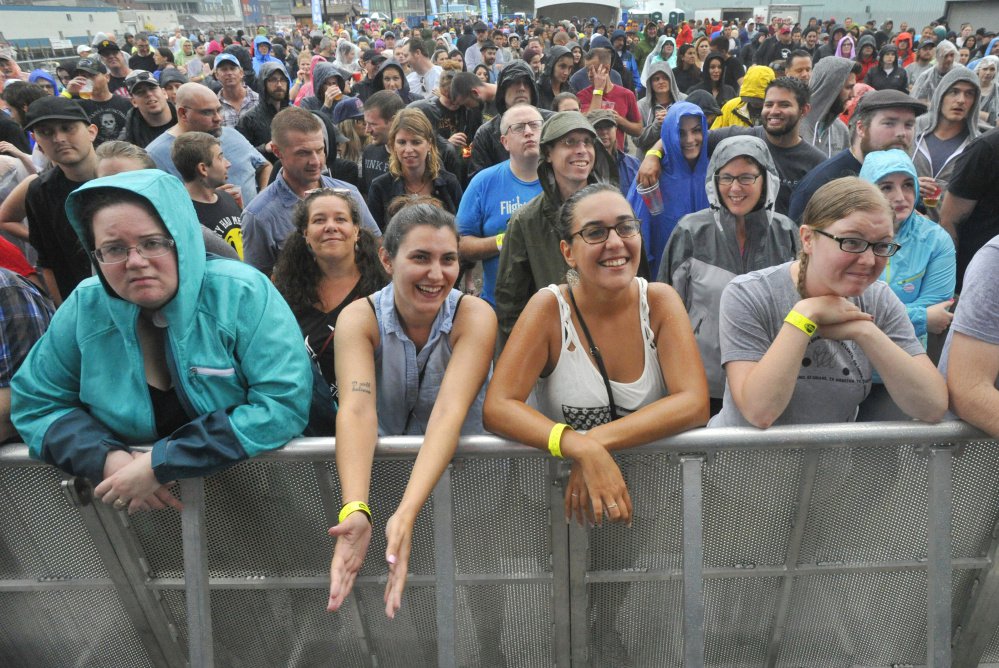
(496, 192)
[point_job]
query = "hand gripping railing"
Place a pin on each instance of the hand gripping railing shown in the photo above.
(576, 583)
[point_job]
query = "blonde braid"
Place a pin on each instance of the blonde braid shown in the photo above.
(802, 270)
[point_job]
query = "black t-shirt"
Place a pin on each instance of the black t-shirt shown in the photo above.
(223, 218)
(975, 178)
(840, 165)
(13, 133)
(792, 163)
(49, 231)
(147, 63)
(374, 163)
(109, 116)
(117, 87)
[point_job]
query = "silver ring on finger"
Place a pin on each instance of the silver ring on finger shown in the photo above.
(575, 495)
(612, 505)
(120, 504)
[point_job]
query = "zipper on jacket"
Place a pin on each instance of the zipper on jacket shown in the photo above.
(208, 371)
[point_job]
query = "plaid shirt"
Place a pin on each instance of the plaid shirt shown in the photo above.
(24, 316)
(230, 114)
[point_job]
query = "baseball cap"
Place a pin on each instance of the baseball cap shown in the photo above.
(926, 42)
(479, 26)
(106, 47)
(488, 44)
(90, 66)
(889, 99)
(599, 116)
(6, 54)
(83, 49)
(388, 34)
(138, 78)
(172, 76)
(226, 58)
(348, 108)
(54, 108)
(373, 56)
(785, 30)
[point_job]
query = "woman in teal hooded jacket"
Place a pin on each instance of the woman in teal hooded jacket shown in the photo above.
(165, 345)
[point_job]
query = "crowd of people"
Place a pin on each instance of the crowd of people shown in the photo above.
(580, 237)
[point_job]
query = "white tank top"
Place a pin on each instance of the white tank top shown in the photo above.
(575, 393)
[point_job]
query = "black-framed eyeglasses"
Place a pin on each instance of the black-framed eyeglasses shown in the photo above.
(743, 179)
(147, 249)
(597, 234)
(857, 246)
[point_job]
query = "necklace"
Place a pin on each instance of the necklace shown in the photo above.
(418, 191)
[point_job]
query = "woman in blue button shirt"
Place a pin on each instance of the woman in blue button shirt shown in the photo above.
(410, 359)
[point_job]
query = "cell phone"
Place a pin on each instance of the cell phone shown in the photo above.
(953, 307)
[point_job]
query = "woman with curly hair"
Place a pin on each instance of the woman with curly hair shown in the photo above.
(415, 167)
(326, 264)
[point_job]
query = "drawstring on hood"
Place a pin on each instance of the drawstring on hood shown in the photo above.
(743, 146)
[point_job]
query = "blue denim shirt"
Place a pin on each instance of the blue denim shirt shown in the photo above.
(267, 220)
(408, 381)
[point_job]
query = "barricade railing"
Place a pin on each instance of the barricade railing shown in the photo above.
(861, 544)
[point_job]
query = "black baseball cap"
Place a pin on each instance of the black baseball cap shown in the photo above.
(138, 78)
(106, 47)
(170, 76)
(479, 27)
(90, 66)
(488, 44)
(54, 108)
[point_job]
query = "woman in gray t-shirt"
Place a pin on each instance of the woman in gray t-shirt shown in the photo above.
(799, 341)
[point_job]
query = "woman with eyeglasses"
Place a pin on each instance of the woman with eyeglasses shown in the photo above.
(164, 346)
(611, 359)
(411, 359)
(800, 341)
(737, 233)
(415, 167)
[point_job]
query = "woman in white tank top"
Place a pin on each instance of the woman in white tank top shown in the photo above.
(608, 331)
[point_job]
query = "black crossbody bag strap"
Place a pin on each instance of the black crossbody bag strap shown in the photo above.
(596, 355)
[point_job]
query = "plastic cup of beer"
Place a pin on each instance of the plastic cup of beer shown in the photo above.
(87, 90)
(931, 200)
(653, 198)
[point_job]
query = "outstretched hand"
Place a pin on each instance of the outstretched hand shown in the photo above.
(352, 538)
(399, 534)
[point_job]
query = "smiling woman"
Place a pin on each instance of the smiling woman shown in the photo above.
(799, 341)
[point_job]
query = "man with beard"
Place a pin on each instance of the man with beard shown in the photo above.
(198, 109)
(923, 62)
(785, 104)
(810, 42)
(106, 111)
(152, 113)
(273, 83)
(832, 85)
(883, 119)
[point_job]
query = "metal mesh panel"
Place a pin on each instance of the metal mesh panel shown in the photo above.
(275, 627)
(57, 546)
(655, 539)
(869, 619)
(976, 499)
(85, 629)
(867, 506)
(738, 619)
(750, 499)
(408, 640)
(496, 505)
(504, 625)
(636, 624)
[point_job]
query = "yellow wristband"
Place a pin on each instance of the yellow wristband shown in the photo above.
(801, 322)
(656, 152)
(555, 439)
(353, 507)
(499, 240)
(598, 91)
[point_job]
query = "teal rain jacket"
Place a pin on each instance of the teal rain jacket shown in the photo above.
(233, 350)
(924, 271)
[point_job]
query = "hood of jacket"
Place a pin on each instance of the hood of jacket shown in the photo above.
(266, 70)
(668, 71)
(903, 37)
(705, 100)
(885, 50)
(557, 126)
(853, 47)
(258, 40)
(324, 71)
(755, 83)
(656, 55)
(515, 69)
(705, 72)
(673, 162)
(167, 195)
(879, 164)
(928, 121)
(827, 81)
(867, 39)
(749, 147)
(42, 74)
(943, 48)
(554, 54)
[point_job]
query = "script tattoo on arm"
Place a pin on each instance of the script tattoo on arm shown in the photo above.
(360, 387)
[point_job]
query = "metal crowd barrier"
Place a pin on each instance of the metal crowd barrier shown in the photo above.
(838, 545)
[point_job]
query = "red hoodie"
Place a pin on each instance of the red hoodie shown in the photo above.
(686, 35)
(911, 56)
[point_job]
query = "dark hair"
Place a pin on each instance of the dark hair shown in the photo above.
(801, 91)
(720, 42)
(418, 46)
(796, 53)
(483, 66)
(20, 94)
(92, 201)
(567, 212)
(190, 150)
(386, 102)
(296, 273)
(415, 215)
(166, 53)
(463, 84)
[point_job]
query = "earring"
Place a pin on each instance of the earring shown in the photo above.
(572, 276)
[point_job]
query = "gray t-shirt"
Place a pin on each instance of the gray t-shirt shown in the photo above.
(977, 313)
(835, 376)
